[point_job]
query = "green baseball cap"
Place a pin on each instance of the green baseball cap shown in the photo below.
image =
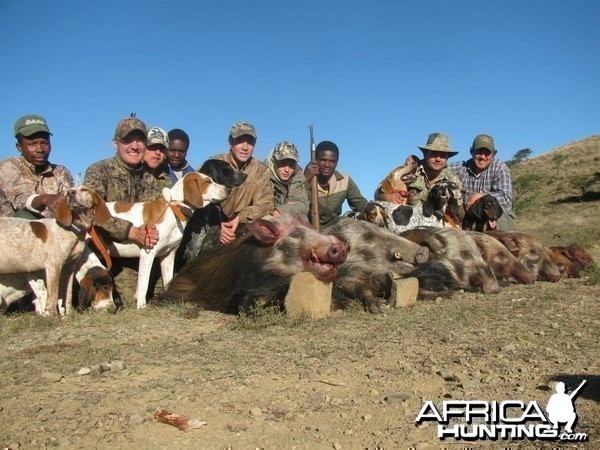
(128, 125)
(242, 129)
(31, 124)
(483, 141)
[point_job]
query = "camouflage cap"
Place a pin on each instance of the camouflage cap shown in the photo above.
(483, 141)
(241, 129)
(438, 142)
(28, 125)
(158, 136)
(285, 150)
(128, 125)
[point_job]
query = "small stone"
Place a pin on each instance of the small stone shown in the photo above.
(117, 365)
(304, 375)
(135, 419)
(337, 445)
(124, 373)
(84, 371)
(446, 375)
(555, 326)
(256, 412)
(366, 417)
(508, 348)
(105, 366)
(52, 377)
(397, 398)
(96, 370)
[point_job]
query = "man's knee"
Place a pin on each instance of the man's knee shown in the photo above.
(505, 222)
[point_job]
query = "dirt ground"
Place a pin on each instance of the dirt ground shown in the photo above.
(353, 380)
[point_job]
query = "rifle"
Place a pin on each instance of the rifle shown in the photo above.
(574, 393)
(314, 194)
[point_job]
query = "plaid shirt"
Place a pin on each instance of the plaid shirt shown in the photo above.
(495, 180)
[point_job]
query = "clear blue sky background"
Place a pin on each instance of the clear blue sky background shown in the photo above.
(376, 77)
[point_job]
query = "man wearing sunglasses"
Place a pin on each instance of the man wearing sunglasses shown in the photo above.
(484, 174)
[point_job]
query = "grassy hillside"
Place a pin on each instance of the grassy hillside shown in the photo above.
(557, 194)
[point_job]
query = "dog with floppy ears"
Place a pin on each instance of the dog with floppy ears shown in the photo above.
(170, 213)
(32, 249)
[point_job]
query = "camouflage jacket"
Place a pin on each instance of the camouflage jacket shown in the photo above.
(419, 189)
(115, 181)
(341, 188)
(21, 183)
(254, 198)
(163, 179)
(5, 208)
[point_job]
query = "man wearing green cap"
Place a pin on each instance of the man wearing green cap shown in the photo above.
(125, 178)
(254, 198)
(289, 189)
(428, 171)
(32, 185)
(484, 174)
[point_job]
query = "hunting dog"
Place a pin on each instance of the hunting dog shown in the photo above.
(483, 214)
(442, 209)
(170, 213)
(49, 248)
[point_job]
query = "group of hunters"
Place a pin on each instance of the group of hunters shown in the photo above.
(149, 159)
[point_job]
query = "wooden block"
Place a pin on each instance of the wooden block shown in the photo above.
(404, 291)
(308, 297)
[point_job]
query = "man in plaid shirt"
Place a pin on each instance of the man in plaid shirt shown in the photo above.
(484, 174)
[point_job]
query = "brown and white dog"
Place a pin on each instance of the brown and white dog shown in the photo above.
(170, 214)
(32, 249)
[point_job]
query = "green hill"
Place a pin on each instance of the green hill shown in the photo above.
(557, 195)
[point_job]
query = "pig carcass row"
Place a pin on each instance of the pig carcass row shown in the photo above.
(531, 252)
(256, 268)
(458, 253)
(373, 254)
(503, 263)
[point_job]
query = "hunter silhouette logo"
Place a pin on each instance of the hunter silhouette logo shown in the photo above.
(560, 407)
(472, 420)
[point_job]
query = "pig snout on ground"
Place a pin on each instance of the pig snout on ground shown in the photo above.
(458, 252)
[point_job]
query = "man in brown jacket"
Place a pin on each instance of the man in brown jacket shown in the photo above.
(254, 198)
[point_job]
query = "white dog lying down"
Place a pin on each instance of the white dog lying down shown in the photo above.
(170, 214)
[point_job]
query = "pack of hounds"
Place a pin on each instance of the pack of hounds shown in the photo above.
(446, 250)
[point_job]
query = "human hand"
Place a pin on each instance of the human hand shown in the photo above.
(146, 235)
(476, 196)
(228, 230)
(312, 169)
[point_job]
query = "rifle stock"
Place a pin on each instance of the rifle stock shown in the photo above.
(314, 194)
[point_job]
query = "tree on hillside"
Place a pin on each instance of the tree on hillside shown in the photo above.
(520, 156)
(557, 161)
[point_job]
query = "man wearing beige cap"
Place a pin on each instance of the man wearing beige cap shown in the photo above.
(254, 198)
(428, 171)
(289, 188)
(32, 185)
(124, 178)
(484, 174)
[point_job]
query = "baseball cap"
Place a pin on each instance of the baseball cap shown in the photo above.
(31, 124)
(285, 150)
(129, 124)
(483, 141)
(157, 135)
(242, 128)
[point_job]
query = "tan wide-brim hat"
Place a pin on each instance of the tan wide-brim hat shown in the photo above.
(438, 142)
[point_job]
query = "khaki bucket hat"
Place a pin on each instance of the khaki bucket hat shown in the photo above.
(438, 142)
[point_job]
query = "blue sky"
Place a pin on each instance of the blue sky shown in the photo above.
(376, 77)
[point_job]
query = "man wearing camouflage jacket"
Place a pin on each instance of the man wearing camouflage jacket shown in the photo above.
(125, 178)
(31, 184)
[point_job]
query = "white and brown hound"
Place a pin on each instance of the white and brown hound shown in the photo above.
(170, 214)
(33, 249)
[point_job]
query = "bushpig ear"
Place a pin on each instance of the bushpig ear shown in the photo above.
(510, 243)
(265, 231)
(436, 244)
(63, 213)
